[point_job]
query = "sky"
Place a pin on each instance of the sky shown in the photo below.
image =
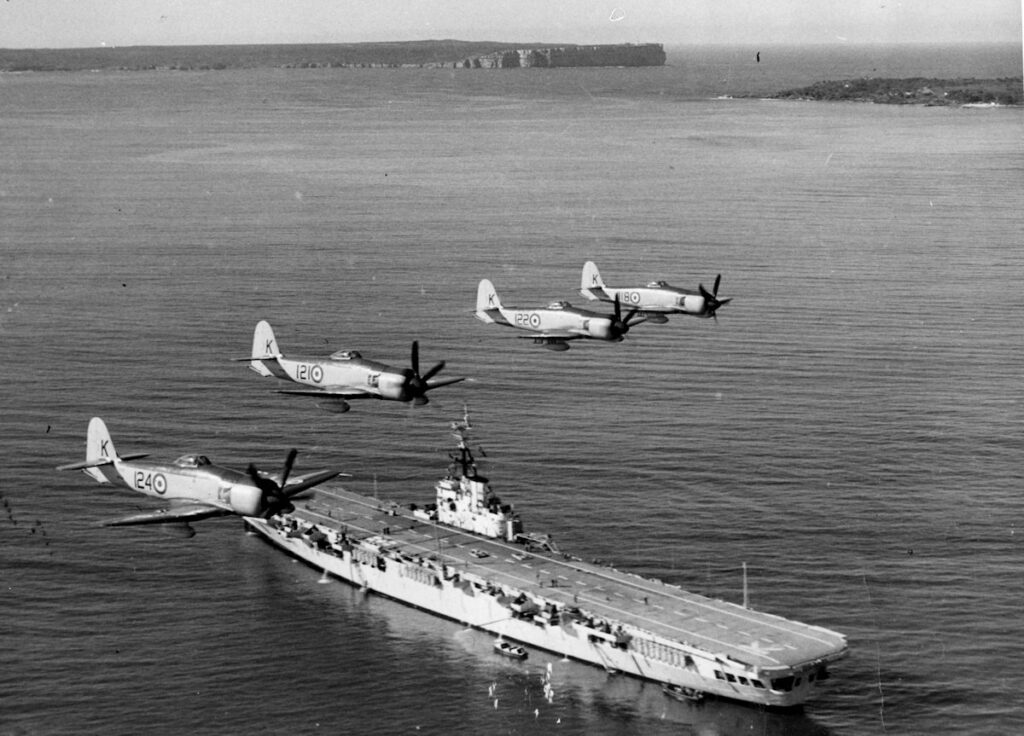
(69, 23)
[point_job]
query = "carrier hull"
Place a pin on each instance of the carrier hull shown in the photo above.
(555, 602)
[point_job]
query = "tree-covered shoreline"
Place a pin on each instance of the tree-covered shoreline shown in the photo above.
(913, 91)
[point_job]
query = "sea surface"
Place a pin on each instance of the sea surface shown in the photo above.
(850, 427)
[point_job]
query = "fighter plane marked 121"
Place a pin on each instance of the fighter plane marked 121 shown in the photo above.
(655, 300)
(345, 375)
(193, 487)
(556, 324)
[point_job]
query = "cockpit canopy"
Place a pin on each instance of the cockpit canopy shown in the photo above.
(346, 355)
(658, 285)
(558, 305)
(192, 461)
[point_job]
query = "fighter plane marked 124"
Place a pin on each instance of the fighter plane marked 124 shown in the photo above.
(556, 324)
(193, 487)
(654, 301)
(345, 375)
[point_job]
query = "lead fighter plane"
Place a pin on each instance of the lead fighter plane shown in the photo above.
(554, 325)
(193, 487)
(345, 375)
(654, 301)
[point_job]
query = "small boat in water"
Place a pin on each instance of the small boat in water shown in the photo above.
(507, 649)
(683, 693)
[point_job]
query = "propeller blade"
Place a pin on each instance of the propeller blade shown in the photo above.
(288, 467)
(433, 371)
(306, 483)
(264, 484)
(718, 280)
(415, 357)
(443, 382)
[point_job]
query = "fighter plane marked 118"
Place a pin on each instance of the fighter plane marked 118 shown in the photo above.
(655, 300)
(193, 487)
(556, 324)
(345, 375)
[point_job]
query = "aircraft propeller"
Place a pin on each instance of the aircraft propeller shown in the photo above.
(711, 300)
(417, 385)
(619, 326)
(274, 498)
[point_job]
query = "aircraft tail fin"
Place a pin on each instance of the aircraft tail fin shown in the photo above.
(591, 284)
(488, 306)
(264, 347)
(100, 454)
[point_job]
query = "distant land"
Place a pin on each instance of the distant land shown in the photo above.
(447, 53)
(914, 91)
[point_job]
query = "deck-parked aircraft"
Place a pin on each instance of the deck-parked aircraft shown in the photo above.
(554, 325)
(193, 487)
(345, 375)
(654, 301)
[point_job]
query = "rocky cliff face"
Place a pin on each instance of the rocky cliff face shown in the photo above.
(649, 54)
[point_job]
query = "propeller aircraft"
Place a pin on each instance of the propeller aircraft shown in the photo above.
(656, 300)
(193, 487)
(556, 324)
(345, 375)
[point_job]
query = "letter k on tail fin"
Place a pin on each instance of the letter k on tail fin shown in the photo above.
(488, 306)
(264, 348)
(591, 284)
(100, 456)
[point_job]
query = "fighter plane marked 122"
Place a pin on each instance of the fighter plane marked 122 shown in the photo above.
(345, 375)
(193, 487)
(655, 300)
(556, 324)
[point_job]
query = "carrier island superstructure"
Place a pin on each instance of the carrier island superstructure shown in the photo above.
(467, 557)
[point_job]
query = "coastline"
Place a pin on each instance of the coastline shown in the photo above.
(1003, 92)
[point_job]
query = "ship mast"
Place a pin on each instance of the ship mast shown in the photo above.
(465, 461)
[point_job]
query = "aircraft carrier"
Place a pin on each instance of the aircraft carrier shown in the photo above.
(466, 557)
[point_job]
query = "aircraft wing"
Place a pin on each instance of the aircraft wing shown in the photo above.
(552, 335)
(340, 392)
(183, 510)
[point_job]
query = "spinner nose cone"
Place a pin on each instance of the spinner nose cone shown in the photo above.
(245, 500)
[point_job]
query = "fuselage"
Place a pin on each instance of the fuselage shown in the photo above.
(191, 477)
(344, 370)
(559, 318)
(657, 297)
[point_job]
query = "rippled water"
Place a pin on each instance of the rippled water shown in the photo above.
(849, 428)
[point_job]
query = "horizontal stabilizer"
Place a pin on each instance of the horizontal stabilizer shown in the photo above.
(98, 462)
